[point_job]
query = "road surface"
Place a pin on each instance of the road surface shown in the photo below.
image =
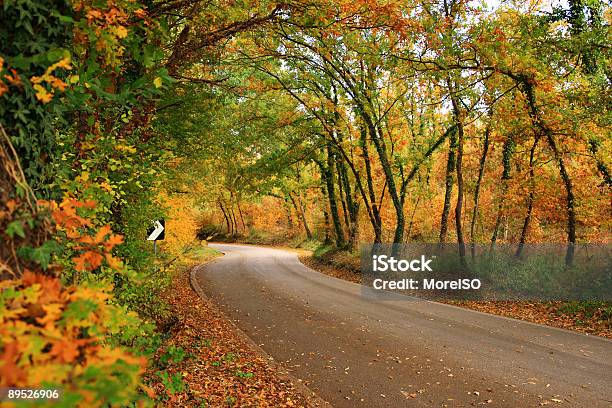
(356, 352)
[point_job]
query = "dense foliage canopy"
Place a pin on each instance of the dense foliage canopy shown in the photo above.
(337, 121)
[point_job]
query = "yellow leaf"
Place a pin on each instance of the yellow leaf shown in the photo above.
(53, 312)
(63, 63)
(73, 79)
(42, 94)
(121, 31)
(157, 82)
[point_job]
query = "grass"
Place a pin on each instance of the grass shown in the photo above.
(593, 317)
(201, 254)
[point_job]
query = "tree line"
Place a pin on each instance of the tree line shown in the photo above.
(353, 121)
(384, 102)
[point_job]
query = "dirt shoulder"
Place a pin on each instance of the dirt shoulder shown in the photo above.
(586, 317)
(209, 362)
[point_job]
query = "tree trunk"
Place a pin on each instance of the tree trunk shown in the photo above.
(354, 218)
(376, 221)
(343, 202)
(507, 153)
(233, 218)
(459, 205)
(227, 223)
(450, 166)
(416, 205)
(299, 209)
(351, 205)
(543, 128)
(459, 168)
(241, 217)
(232, 214)
(571, 212)
(379, 143)
(327, 237)
(331, 195)
(481, 169)
(303, 212)
(530, 200)
(288, 211)
(381, 150)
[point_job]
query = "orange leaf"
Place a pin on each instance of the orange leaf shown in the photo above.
(66, 350)
(102, 233)
(113, 262)
(87, 261)
(112, 241)
(10, 373)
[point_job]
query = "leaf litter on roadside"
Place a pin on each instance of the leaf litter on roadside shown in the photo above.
(220, 368)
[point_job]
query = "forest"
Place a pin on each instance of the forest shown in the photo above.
(453, 125)
(320, 124)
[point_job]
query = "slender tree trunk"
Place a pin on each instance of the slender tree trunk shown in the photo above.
(327, 237)
(450, 167)
(351, 205)
(530, 200)
(459, 169)
(343, 202)
(416, 205)
(459, 205)
(372, 209)
(241, 217)
(571, 211)
(567, 181)
(481, 169)
(376, 221)
(354, 217)
(507, 153)
(227, 223)
(288, 211)
(398, 236)
(381, 150)
(232, 214)
(331, 194)
(303, 212)
(236, 229)
(300, 211)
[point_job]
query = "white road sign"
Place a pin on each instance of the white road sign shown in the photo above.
(159, 228)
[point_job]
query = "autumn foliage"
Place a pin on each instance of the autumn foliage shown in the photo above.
(63, 322)
(57, 336)
(337, 122)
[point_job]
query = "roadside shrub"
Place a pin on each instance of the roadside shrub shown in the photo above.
(66, 337)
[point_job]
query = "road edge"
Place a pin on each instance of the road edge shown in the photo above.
(310, 396)
(314, 265)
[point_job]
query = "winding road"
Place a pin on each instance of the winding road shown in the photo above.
(357, 352)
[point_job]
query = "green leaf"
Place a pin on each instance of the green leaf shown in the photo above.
(15, 227)
(62, 18)
(56, 54)
(79, 310)
(43, 254)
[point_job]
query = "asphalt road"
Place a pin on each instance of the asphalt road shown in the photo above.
(355, 352)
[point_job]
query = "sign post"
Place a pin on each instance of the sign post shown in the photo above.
(157, 232)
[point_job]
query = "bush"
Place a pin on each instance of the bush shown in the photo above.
(69, 338)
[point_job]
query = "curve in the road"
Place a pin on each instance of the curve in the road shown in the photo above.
(354, 351)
